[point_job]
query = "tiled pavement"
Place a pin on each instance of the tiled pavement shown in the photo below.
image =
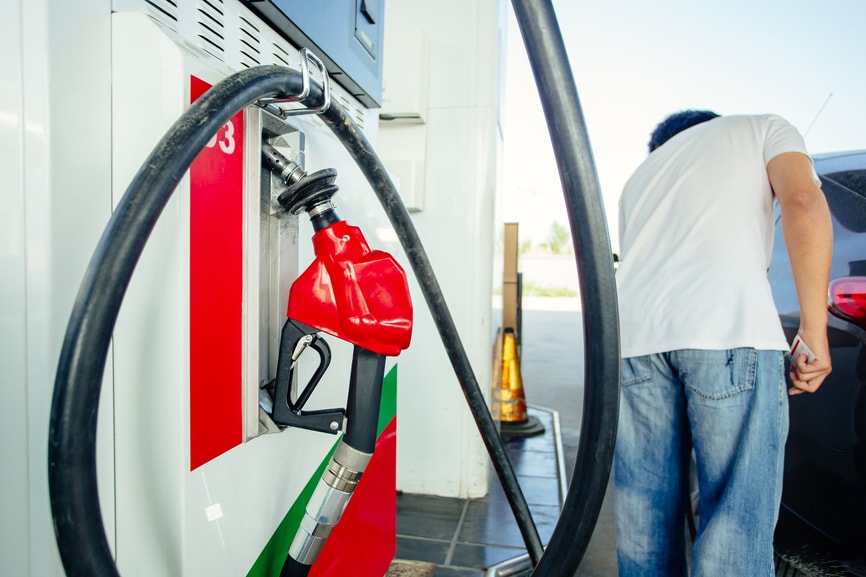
(464, 537)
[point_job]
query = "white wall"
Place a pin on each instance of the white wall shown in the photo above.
(451, 83)
(54, 150)
(13, 266)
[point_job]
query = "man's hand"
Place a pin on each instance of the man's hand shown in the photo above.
(805, 376)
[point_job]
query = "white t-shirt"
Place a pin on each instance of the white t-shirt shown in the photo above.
(696, 235)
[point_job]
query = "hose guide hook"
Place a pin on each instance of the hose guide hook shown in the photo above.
(270, 104)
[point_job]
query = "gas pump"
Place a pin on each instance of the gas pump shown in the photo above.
(349, 291)
(194, 476)
(332, 296)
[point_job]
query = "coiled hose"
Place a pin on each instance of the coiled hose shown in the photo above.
(73, 490)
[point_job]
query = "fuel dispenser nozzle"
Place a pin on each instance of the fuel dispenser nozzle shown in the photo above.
(355, 294)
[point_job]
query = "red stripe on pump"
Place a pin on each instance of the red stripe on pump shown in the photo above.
(216, 291)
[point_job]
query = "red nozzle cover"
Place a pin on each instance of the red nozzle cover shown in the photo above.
(354, 293)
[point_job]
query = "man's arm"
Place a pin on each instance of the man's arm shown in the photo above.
(808, 234)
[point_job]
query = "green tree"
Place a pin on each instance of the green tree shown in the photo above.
(559, 240)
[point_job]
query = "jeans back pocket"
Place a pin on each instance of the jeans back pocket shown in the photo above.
(635, 370)
(717, 374)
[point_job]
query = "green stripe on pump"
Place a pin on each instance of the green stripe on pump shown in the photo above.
(270, 561)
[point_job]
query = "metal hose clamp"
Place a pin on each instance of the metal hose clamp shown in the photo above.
(307, 56)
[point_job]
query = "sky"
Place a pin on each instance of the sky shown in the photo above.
(636, 61)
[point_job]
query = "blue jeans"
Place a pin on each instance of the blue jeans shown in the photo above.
(732, 408)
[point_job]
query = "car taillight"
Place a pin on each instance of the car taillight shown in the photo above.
(848, 299)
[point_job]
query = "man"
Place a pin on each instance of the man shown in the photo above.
(702, 345)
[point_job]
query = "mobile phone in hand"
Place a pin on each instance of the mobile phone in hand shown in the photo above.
(799, 347)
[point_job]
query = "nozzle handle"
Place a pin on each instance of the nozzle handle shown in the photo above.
(296, 338)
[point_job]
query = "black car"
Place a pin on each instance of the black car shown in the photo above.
(825, 460)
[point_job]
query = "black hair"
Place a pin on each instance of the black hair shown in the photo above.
(676, 123)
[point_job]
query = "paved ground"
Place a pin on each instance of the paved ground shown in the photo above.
(552, 370)
(466, 537)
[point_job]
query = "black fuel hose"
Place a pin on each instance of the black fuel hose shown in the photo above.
(570, 139)
(73, 490)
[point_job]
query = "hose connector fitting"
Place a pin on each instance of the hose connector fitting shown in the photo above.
(328, 502)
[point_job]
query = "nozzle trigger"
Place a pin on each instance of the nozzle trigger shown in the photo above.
(295, 339)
